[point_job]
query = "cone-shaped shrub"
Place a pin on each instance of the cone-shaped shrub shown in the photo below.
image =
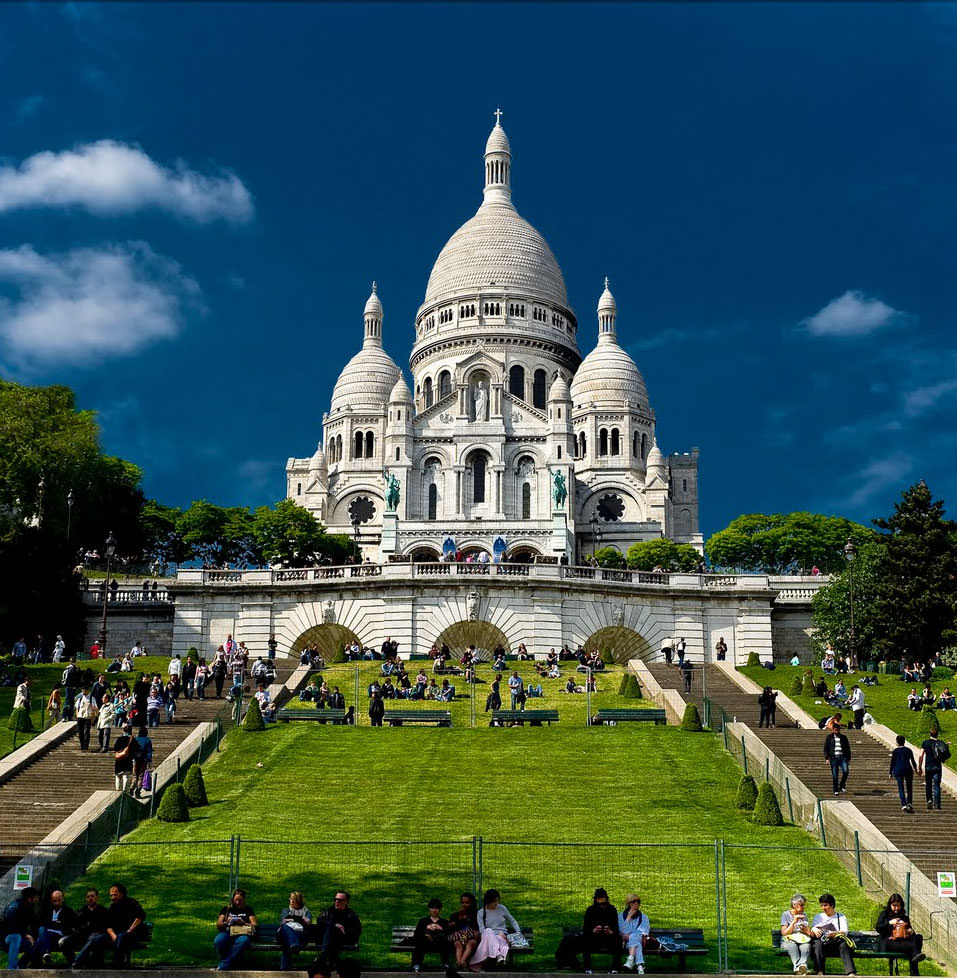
(195, 787)
(767, 811)
(632, 690)
(254, 718)
(747, 794)
(807, 687)
(753, 659)
(797, 687)
(927, 721)
(691, 721)
(20, 720)
(172, 806)
(607, 656)
(623, 685)
(338, 656)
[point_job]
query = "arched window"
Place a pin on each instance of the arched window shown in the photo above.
(538, 389)
(603, 441)
(298, 488)
(433, 501)
(644, 447)
(445, 384)
(357, 450)
(615, 442)
(339, 455)
(582, 445)
(634, 446)
(516, 381)
(370, 444)
(397, 453)
(526, 501)
(559, 451)
(427, 390)
(478, 478)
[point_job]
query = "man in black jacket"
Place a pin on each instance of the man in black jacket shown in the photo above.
(57, 921)
(337, 927)
(20, 926)
(91, 924)
(600, 931)
(431, 934)
(837, 750)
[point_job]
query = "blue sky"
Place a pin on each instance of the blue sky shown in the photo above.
(195, 198)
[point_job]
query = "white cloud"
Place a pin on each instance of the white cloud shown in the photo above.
(853, 314)
(89, 304)
(923, 399)
(108, 178)
(889, 470)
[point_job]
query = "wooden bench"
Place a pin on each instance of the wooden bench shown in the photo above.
(402, 942)
(534, 718)
(867, 944)
(330, 715)
(691, 940)
(616, 715)
(396, 718)
(265, 940)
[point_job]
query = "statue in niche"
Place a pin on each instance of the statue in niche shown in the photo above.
(472, 605)
(618, 614)
(328, 612)
(480, 397)
(559, 489)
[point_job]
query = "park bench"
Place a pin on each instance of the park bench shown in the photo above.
(690, 940)
(617, 715)
(534, 718)
(329, 715)
(402, 942)
(867, 944)
(143, 937)
(396, 718)
(264, 940)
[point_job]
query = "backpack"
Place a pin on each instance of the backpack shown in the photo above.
(941, 751)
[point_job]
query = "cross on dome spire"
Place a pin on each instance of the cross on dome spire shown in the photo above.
(498, 116)
(498, 165)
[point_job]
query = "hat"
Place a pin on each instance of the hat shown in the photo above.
(601, 892)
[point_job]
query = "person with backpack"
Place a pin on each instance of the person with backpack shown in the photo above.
(930, 763)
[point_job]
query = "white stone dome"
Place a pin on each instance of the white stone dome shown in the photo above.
(496, 249)
(366, 381)
(497, 141)
(559, 390)
(608, 375)
(400, 392)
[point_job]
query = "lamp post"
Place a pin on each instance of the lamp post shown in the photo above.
(850, 553)
(355, 538)
(41, 488)
(70, 500)
(593, 523)
(110, 551)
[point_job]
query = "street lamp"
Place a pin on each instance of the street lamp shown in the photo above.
(355, 538)
(41, 488)
(70, 500)
(850, 553)
(110, 551)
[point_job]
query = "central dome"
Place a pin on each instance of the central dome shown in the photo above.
(496, 249)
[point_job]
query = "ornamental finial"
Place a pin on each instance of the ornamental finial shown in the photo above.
(606, 283)
(374, 286)
(498, 116)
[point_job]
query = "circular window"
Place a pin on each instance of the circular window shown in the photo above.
(361, 509)
(610, 508)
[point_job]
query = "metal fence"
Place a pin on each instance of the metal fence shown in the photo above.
(545, 885)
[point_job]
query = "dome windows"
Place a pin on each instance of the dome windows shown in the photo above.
(492, 309)
(445, 384)
(363, 444)
(538, 390)
(517, 309)
(467, 311)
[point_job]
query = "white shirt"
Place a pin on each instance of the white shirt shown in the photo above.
(833, 924)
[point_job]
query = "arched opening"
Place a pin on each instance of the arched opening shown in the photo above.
(485, 636)
(479, 474)
(424, 555)
(338, 448)
(603, 442)
(329, 639)
(582, 445)
(298, 488)
(634, 446)
(445, 384)
(644, 447)
(522, 555)
(357, 447)
(526, 501)
(623, 643)
(538, 390)
(370, 444)
(615, 442)
(516, 381)
(427, 392)
(433, 501)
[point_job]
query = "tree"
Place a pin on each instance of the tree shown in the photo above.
(253, 721)
(831, 607)
(646, 555)
(609, 557)
(288, 535)
(747, 794)
(163, 540)
(784, 543)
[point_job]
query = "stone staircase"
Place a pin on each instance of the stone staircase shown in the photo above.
(37, 799)
(916, 835)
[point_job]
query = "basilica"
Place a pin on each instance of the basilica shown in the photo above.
(508, 445)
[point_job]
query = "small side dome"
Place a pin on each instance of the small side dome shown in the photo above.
(497, 141)
(365, 381)
(655, 464)
(400, 392)
(559, 390)
(318, 461)
(373, 306)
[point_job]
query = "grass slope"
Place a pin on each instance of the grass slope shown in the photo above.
(391, 814)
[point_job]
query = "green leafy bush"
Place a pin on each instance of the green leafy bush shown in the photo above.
(927, 721)
(767, 811)
(797, 687)
(172, 806)
(20, 720)
(253, 721)
(691, 721)
(623, 685)
(754, 659)
(747, 795)
(194, 787)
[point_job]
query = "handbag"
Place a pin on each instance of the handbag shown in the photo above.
(798, 938)
(147, 780)
(240, 930)
(901, 931)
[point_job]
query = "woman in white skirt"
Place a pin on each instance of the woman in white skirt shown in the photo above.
(494, 921)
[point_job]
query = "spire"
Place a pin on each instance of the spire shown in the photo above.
(607, 316)
(498, 165)
(372, 314)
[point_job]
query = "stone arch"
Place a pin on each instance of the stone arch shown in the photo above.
(482, 634)
(625, 643)
(330, 639)
(424, 554)
(523, 553)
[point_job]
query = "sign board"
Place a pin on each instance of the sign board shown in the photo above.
(946, 885)
(23, 876)
(448, 547)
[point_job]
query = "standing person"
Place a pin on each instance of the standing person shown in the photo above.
(515, 688)
(236, 925)
(930, 762)
(124, 754)
(271, 646)
(104, 723)
(796, 933)
(85, 711)
(837, 750)
(189, 677)
(600, 930)
(376, 708)
(897, 934)
(494, 921)
(202, 678)
(634, 927)
(464, 925)
(55, 704)
(294, 922)
(857, 704)
(494, 701)
(22, 697)
(667, 650)
(680, 647)
(338, 927)
(70, 681)
(903, 766)
(721, 649)
(687, 670)
(142, 762)
(829, 937)
(766, 702)
(20, 926)
(219, 672)
(432, 934)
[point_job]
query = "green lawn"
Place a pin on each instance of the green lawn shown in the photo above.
(392, 815)
(886, 702)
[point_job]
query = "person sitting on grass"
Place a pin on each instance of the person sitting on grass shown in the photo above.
(914, 699)
(498, 663)
(533, 690)
(551, 659)
(266, 706)
(432, 690)
(388, 691)
(447, 692)
(911, 673)
(311, 693)
(927, 697)
(946, 701)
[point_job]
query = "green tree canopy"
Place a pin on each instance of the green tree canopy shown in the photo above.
(646, 555)
(785, 543)
(288, 535)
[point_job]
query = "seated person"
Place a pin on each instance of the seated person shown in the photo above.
(388, 667)
(84, 942)
(946, 701)
(828, 664)
(897, 934)
(432, 934)
(294, 923)
(522, 652)
(432, 690)
(634, 927)
(796, 934)
(795, 660)
(570, 687)
(266, 706)
(833, 723)
(840, 690)
(236, 925)
(498, 663)
(820, 687)
(532, 690)
(827, 932)
(927, 696)
(913, 699)
(553, 671)
(388, 690)
(911, 673)
(600, 931)
(311, 693)
(447, 692)
(374, 685)
(551, 659)
(336, 927)
(438, 664)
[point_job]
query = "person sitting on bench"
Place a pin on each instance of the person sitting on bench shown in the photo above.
(829, 932)
(432, 934)
(600, 931)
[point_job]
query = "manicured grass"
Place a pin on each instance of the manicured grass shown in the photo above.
(886, 702)
(392, 814)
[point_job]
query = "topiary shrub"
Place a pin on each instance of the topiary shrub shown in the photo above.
(253, 721)
(607, 656)
(807, 686)
(172, 806)
(927, 721)
(747, 795)
(754, 659)
(691, 721)
(767, 811)
(20, 720)
(797, 686)
(632, 690)
(195, 787)
(338, 656)
(623, 685)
